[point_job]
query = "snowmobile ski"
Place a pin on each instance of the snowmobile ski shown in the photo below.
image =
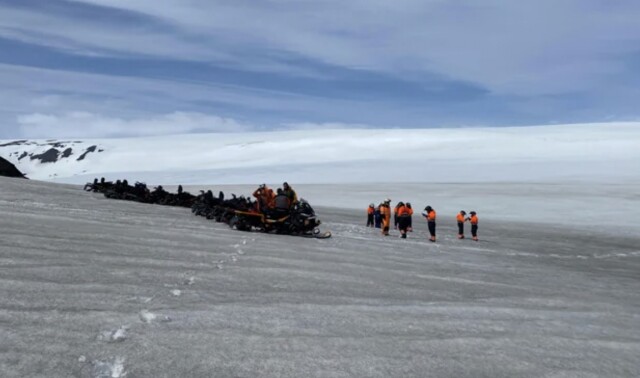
(321, 235)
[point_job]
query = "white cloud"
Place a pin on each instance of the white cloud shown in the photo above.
(29, 90)
(90, 125)
(520, 51)
(324, 126)
(510, 47)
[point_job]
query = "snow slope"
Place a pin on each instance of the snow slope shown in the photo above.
(93, 287)
(593, 152)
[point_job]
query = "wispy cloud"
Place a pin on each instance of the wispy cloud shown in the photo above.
(271, 63)
(89, 125)
(507, 46)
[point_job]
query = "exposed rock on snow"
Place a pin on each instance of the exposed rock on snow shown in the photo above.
(117, 335)
(112, 368)
(8, 169)
(150, 317)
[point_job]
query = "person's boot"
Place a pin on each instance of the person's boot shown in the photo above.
(460, 236)
(404, 236)
(475, 238)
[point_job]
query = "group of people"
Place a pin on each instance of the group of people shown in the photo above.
(280, 201)
(380, 217)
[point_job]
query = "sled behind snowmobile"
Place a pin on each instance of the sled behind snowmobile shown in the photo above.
(299, 220)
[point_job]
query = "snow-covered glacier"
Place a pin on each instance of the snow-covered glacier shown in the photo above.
(601, 152)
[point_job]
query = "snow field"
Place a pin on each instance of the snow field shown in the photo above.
(594, 152)
(89, 287)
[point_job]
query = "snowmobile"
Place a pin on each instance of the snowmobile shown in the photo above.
(300, 220)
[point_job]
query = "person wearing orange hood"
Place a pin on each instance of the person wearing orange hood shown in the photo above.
(473, 219)
(385, 213)
(430, 214)
(460, 219)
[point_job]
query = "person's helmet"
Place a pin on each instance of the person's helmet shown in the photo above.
(371, 205)
(388, 200)
(262, 186)
(472, 212)
(408, 204)
(400, 204)
(428, 208)
(286, 184)
(463, 212)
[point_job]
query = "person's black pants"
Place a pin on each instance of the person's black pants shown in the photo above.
(474, 230)
(432, 228)
(403, 223)
(460, 228)
(369, 220)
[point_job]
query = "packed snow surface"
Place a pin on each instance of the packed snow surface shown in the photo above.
(594, 152)
(88, 288)
(103, 288)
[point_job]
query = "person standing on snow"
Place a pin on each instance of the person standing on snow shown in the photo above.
(430, 214)
(385, 213)
(370, 212)
(404, 215)
(460, 219)
(410, 211)
(473, 219)
(377, 217)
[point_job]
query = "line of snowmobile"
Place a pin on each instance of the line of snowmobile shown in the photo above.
(238, 212)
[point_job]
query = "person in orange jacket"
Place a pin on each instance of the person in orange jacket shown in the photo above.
(264, 197)
(404, 216)
(370, 211)
(410, 210)
(385, 213)
(460, 218)
(430, 214)
(473, 219)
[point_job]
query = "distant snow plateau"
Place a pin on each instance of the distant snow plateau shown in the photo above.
(606, 152)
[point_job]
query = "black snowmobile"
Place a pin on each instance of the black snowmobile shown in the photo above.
(300, 220)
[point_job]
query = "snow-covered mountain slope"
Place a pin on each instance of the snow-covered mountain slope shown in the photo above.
(44, 159)
(580, 151)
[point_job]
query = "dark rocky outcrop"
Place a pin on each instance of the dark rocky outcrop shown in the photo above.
(9, 170)
(49, 156)
(14, 143)
(89, 149)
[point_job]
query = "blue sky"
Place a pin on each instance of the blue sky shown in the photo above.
(109, 68)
